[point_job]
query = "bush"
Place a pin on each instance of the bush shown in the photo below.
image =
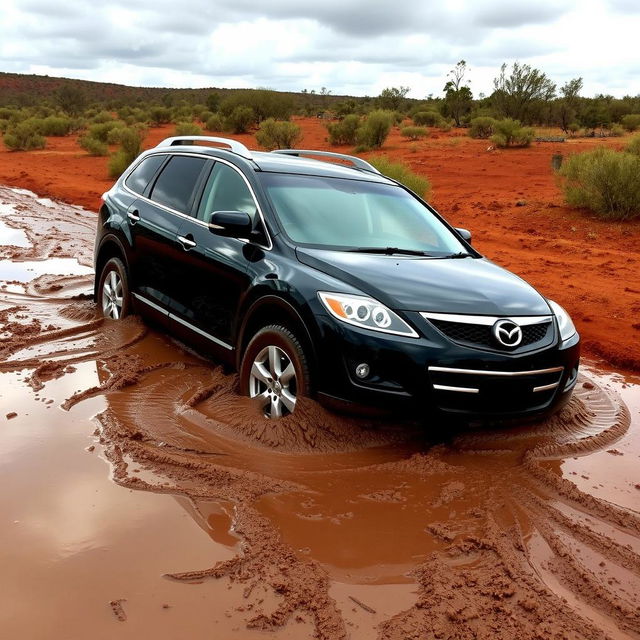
(187, 129)
(102, 117)
(215, 123)
(24, 136)
(631, 121)
(4, 125)
(482, 127)
(274, 134)
(414, 133)
(93, 146)
(509, 133)
(616, 131)
(130, 147)
(427, 118)
(55, 126)
(634, 146)
(573, 128)
(160, 115)
(101, 131)
(375, 129)
(240, 119)
(345, 131)
(604, 181)
(445, 125)
(403, 174)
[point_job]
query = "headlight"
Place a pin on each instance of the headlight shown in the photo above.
(565, 324)
(365, 313)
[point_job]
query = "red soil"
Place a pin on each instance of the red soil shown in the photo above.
(509, 200)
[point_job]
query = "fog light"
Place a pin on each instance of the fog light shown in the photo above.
(362, 370)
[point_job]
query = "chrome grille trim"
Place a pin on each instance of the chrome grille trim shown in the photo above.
(507, 374)
(523, 321)
(444, 387)
(546, 387)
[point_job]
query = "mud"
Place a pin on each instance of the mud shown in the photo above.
(144, 496)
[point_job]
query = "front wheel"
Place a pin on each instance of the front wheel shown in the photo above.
(113, 290)
(275, 371)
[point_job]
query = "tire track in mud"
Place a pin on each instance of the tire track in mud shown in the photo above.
(513, 548)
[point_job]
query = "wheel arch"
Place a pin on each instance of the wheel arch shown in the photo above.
(274, 309)
(110, 247)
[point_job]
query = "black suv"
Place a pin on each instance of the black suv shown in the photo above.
(326, 279)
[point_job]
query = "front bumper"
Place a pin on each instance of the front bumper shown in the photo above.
(432, 374)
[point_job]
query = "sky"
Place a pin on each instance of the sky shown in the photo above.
(351, 47)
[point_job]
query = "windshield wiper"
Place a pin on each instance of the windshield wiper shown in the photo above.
(461, 254)
(389, 251)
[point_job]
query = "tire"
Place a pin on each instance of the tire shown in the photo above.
(114, 300)
(275, 369)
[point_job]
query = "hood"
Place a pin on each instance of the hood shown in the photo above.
(440, 285)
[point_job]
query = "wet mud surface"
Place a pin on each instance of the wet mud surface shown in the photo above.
(142, 495)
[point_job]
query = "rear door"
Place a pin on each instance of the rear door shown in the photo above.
(156, 221)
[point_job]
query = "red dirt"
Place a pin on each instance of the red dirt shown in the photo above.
(589, 266)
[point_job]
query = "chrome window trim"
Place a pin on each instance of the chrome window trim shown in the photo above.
(193, 218)
(444, 387)
(505, 374)
(523, 321)
(172, 316)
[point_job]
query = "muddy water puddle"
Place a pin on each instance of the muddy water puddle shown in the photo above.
(144, 496)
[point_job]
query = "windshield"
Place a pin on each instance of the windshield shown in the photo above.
(355, 214)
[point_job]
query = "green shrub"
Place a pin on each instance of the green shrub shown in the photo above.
(101, 130)
(445, 125)
(631, 121)
(414, 133)
(102, 117)
(345, 131)
(187, 129)
(427, 118)
(56, 126)
(93, 146)
(113, 137)
(24, 136)
(402, 173)
(215, 123)
(374, 130)
(118, 162)
(240, 119)
(204, 115)
(634, 146)
(510, 133)
(616, 131)
(160, 115)
(604, 181)
(274, 134)
(4, 124)
(482, 127)
(573, 127)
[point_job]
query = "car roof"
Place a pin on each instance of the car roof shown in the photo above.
(282, 161)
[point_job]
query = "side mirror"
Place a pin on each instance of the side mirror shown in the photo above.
(230, 224)
(465, 233)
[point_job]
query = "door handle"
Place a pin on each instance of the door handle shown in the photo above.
(134, 216)
(187, 242)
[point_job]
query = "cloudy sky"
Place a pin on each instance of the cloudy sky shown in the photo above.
(355, 47)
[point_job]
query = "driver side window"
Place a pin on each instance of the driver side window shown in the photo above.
(225, 190)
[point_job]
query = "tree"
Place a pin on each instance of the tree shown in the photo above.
(393, 98)
(71, 99)
(515, 94)
(567, 109)
(213, 101)
(458, 96)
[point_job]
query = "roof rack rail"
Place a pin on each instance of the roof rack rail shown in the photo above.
(234, 145)
(358, 163)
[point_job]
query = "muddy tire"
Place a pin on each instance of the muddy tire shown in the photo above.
(114, 300)
(275, 371)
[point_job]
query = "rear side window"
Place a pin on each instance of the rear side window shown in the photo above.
(226, 190)
(140, 177)
(176, 184)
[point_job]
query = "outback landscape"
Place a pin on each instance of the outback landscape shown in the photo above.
(145, 496)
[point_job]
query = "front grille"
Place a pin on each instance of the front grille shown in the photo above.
(480, 335)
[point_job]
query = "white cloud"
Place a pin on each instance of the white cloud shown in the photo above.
(350, 46)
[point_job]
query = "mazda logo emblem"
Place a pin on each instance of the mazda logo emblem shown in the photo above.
(507, 333)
